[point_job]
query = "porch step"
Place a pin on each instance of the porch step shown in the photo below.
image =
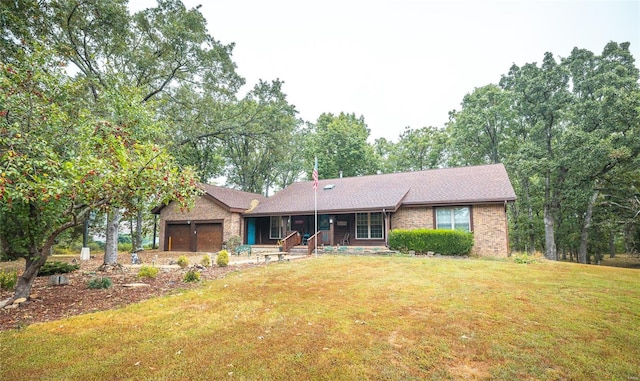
(301, 250)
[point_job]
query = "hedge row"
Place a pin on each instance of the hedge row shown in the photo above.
(445, 242)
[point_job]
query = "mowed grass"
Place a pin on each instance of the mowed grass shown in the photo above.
(355, 318)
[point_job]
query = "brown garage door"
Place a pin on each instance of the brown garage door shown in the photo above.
(208, 237)
(178, 237)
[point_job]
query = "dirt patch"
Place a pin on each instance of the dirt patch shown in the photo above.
(49, 303)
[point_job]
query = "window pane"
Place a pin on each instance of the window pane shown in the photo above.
(462, 219)
(376, 225)
(443, 218)
(362, 225)
(274, 231)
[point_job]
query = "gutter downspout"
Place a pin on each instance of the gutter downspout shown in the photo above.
(386, 228)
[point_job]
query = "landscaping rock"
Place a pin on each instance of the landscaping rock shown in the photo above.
(58, 280)
(135, 285)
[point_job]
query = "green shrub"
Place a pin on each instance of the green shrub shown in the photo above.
(8, 280)
(61, 249)
(445, 242)
(148, 272)
(99, 283)
(183, 261)
(524, 259)
(233, 242)
(206, 260)
(57, 267)
(125, 246)
(222, 259)
(192, 276)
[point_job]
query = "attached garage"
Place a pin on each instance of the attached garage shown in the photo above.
(194, 236)
(215, 218)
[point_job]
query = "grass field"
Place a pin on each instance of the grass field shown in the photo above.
(355, 318)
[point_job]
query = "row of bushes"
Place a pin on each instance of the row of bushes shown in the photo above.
(445, 242)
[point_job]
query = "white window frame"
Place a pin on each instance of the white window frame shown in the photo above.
(450, 219)
(281, 223)
(369, 225)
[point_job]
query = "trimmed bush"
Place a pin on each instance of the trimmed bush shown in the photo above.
(147, 272)
(222, 259)
(57, 267)
(445, 242)
(192, 276)
(206, 260)
(183, 261)
(99, 283)
(8, 280)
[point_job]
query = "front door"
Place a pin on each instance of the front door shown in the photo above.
(251, 231)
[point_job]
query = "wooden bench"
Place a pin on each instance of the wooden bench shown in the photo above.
(280, 254)
(242, 249)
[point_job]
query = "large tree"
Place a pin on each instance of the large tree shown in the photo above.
(605, 120)
(541, 96)
(165, 52)
(340, 144)
(61, 158)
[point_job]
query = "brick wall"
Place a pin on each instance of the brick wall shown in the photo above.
(204, 209)
(490, 230)
(412, 218)
(489, 226)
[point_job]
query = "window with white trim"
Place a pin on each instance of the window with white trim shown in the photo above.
(369, 226)
(278, 226)
(458, 218)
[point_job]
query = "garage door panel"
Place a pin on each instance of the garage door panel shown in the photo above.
(209, 237)
(179, 237)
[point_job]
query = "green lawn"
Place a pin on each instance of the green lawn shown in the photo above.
(354, 318)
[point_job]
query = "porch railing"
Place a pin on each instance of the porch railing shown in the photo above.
(311, 242)
(290, 241)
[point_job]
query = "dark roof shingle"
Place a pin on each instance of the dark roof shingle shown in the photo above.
(460, 185)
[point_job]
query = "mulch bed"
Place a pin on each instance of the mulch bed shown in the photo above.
(49, 303)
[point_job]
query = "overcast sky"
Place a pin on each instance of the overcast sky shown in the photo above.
(403, 63)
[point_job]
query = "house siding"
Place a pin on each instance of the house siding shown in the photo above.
(489, 226)
(204, 209)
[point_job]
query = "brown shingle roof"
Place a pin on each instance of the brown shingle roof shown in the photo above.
(232, 198)
(461, 185)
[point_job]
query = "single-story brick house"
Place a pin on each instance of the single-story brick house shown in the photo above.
(363, 209)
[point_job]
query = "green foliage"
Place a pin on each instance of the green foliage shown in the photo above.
(524, 259)
(99, 283)
(57, 267)
(126, 247)
(183, 261)
(146, 271)
(206, 260)
(233, 242)
(340, 144)
(445, 242)
(222, 259)
(8, 279)
(191, 276)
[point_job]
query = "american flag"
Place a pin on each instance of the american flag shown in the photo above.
(315, 175)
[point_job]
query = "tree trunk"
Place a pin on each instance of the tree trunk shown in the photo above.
(111, 244)
(551, 251)
(138, 245)
(612, 245)
(25, 281)
(586, 224)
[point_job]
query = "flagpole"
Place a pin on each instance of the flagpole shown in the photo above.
(315, 200)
